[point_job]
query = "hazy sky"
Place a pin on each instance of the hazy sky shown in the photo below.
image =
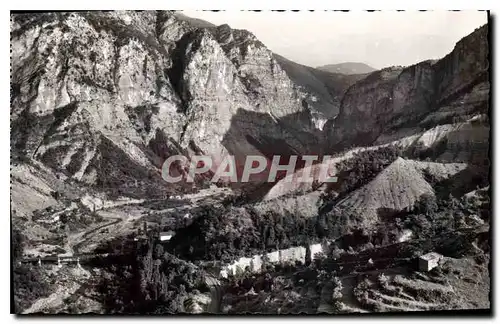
(379, 39)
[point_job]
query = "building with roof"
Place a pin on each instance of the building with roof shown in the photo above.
(166, 236)
(429, 261)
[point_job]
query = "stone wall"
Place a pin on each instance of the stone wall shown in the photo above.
(256, 262)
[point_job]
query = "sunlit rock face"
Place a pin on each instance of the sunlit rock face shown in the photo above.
(140, 80)
(410, 100)
(94, 92)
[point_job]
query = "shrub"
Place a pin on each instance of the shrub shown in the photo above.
(30, 284)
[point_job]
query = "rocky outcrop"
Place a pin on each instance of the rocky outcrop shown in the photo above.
(410, 100)
(139, 82)
(396, 188)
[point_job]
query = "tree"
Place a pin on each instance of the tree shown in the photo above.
(308, 253)
(30, 284)
(427, 204)
(159, 251)
(453, 202)
(337, 290)
(271, 239)
(17, 244)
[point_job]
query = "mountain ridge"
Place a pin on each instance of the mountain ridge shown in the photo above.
(433, 92)
(347, 68)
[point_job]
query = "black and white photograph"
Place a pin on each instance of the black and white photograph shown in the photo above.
(246, 162)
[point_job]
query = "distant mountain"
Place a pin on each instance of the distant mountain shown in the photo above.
(195, 22)
(325, 89)
(347, 68)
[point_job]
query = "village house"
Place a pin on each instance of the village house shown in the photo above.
(429, 261)
(166, 236)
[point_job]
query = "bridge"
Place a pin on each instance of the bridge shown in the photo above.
(63, 259)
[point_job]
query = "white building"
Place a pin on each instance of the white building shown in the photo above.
(166, 236)
(429, 261)
(315, 249)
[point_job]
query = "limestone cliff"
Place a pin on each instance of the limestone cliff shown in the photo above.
(396, 102)
(93, 88)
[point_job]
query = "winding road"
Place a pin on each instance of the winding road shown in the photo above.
(77, 246)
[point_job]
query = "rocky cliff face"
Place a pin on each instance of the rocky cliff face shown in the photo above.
(324, 90)
(105, 97)
(92, 87)
(396, 102)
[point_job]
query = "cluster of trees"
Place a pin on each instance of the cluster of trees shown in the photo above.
(225, 233)
(447, 225)
(166, 280)
(274, 285)
(17, 242)
(258, 282)
(217, 233)
(30, 284)
(149, 281)
(28, 281)
(278, 280)
(362, 168)
(433, 216)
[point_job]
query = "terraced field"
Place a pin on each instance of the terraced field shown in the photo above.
(455, 284)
